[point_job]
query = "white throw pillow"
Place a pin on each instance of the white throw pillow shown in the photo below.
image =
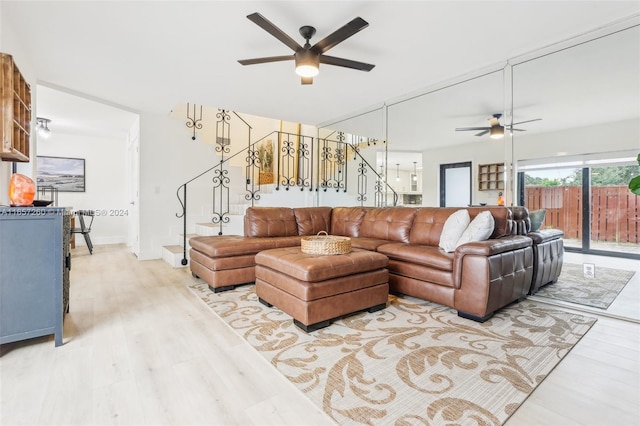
(453, 228)
(480, 228)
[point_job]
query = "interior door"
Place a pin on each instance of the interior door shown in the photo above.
(133, 155)
(455, 184)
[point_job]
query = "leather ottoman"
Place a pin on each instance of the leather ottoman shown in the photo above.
(316, 289)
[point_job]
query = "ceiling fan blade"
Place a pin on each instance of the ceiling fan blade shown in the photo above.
(347, 63)
(265, 60)
(482, 133)
(269, 27)
(306, 80)
(527, 121)
(340, 35)
(463, 129)
(516, 130)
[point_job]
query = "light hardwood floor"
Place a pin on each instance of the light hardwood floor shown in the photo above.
(141, 349)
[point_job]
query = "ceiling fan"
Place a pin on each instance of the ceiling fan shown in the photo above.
(307, 57)
(495, 129)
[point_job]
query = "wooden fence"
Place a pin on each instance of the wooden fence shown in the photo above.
(614, 211)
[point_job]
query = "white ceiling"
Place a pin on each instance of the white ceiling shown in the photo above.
(152, 55)
(71, 114)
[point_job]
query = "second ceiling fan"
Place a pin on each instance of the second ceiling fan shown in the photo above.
(308, 58)
(495, 129)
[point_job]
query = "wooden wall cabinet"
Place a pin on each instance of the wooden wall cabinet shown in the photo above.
(491, 176)
(15, 122)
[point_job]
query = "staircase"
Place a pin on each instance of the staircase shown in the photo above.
(309, 171)
(173, 253)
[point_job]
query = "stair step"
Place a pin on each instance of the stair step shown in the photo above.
(238, 208)
(188, 237)
(268, 188)
(173, 254)
(207, 229)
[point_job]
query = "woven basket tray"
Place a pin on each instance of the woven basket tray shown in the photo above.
(325, 244)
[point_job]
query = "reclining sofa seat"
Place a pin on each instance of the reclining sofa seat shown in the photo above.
(477, 279)
(548, 249)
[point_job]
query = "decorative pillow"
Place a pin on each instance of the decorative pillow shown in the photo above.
(537, 217)
(453, 228)
(480, 228)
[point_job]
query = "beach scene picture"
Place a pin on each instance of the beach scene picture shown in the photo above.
(65, 174)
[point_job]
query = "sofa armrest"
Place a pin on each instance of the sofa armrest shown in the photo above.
(491, 274)
(491, 247)
(544, 235)
(548, 253)
(486, 249)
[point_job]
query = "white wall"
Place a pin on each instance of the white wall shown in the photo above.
(168, 158)
(11, 45)
(5, 169)
(608, 137)
(106, 189)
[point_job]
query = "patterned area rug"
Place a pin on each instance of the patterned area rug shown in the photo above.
(599, 291)
(413, 363)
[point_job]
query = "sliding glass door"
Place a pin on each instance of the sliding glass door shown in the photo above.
(614, 210)
(590, 202)
(559, 192)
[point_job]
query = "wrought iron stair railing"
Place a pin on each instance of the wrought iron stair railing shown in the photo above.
(304, 162)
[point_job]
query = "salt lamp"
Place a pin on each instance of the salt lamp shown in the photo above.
(22, 190)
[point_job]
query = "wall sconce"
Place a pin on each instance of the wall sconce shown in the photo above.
(43, 127)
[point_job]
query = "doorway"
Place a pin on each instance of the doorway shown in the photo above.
(455, 184)
(133, 179)
(106, 136)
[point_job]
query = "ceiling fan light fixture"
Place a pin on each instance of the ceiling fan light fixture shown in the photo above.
(307, 63)
(307, 71)
(307, 58)
(496, 132)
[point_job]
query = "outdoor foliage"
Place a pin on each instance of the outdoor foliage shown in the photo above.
(634, 183)
(600, 176)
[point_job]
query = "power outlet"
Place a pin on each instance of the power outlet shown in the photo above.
(589, 270)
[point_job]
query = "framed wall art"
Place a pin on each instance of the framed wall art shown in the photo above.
(63, 173)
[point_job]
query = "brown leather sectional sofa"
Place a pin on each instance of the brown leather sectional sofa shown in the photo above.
(477, 279)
